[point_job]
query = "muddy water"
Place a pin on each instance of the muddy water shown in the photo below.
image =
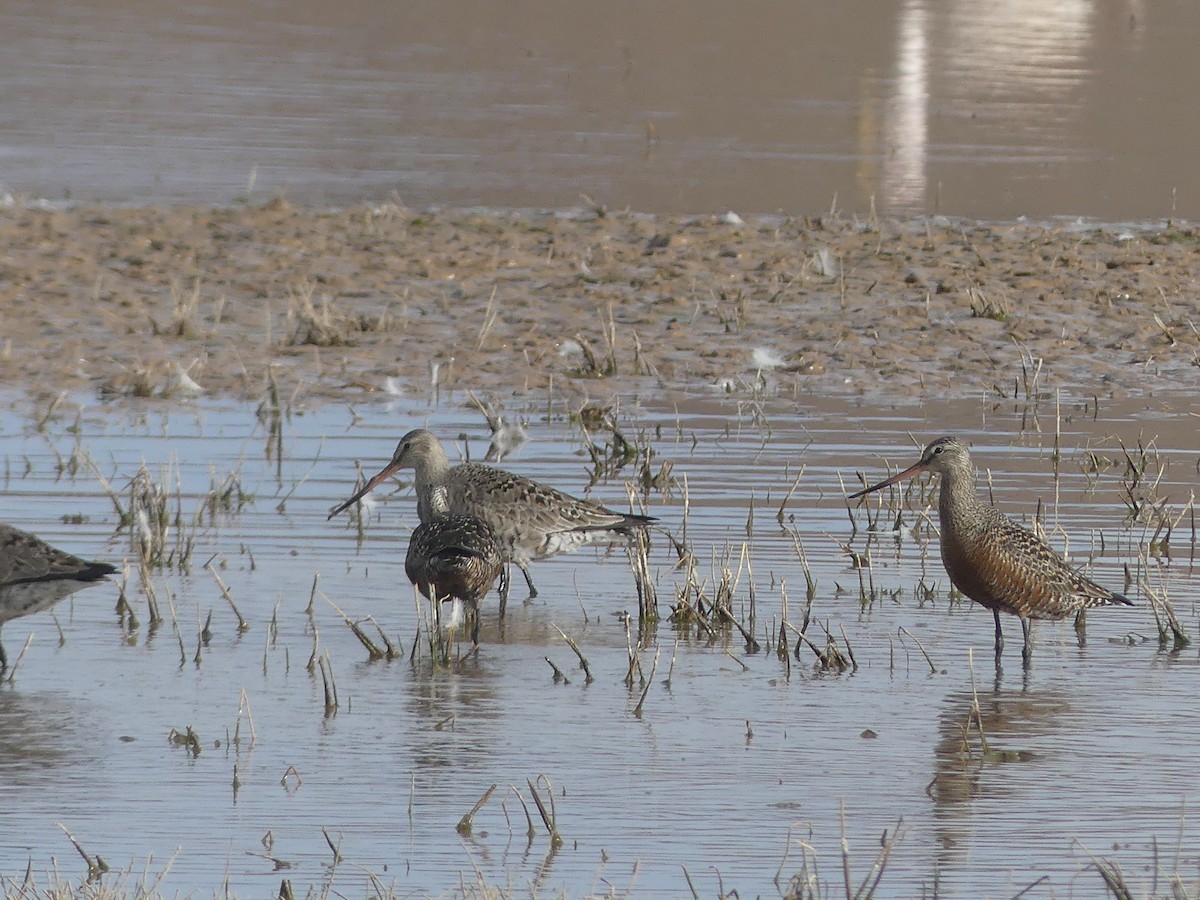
(1018, 108)
(737, 757)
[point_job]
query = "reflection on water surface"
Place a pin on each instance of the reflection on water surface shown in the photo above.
(998, 110)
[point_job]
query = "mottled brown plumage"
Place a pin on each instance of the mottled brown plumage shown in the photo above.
(532, 521)
(455, 558)
(34, 576)
(992, 559)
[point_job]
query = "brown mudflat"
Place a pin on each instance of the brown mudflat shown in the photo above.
(118, 301)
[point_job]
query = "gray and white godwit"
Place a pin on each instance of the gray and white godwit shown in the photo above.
(532, 520)
(34, 576)
(991, 558)
(455, 558)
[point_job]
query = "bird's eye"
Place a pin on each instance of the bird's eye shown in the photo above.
(938, 449)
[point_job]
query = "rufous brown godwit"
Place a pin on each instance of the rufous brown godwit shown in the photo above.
(532, 520)
(34, 576)
(991, 558)
(455, 558)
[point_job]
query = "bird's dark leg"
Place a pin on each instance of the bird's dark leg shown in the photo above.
(999, 634)
(504, 582)
(473, 612)
(1027, 650)
(529, 581)
(1081, 626)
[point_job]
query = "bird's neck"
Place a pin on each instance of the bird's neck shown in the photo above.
(432, 479)
(433, 502)
(432, 471)
(957, 495)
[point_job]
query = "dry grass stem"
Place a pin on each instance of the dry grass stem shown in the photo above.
(583, 663)
(373, 650)
(637, 710)
(932, 668)
(328, 683)
(96, 866)
(549, 818)
(243, 625)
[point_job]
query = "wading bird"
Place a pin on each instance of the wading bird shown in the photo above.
(991, 558)
(34, 576)
(532, 520)
(455, 558)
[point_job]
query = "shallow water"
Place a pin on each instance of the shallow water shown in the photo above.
(1015, 107)
(1091, 751)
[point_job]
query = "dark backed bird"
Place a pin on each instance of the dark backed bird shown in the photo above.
(991, 558)
(455, 558)
(34, 576)
(532, 520)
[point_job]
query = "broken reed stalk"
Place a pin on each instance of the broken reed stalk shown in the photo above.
(849, 649)
(752, 645)
(330, 686)
(583, 663)
(1168, 623)
(12, 669)
(96, 866)
(634, 664)
(781, 641)
(336, 848)
(373, 651)
(243, 625)
(113, 496)
(124, 610)
(828, 656)
(244, 707)
(637, 710)
(151, 597)
(752, 598)
(788, 495)
(932, 667)
(316, 644)
(464, 824)
(530, 831)
(745, 668)
(273, 626)
(810, 583)
(549, 818)
(559, 677)
(870, 883)
(845, 848)
(671, 668)
(1113, 879)
(390, 649)
(312, 595)
(976, 712)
